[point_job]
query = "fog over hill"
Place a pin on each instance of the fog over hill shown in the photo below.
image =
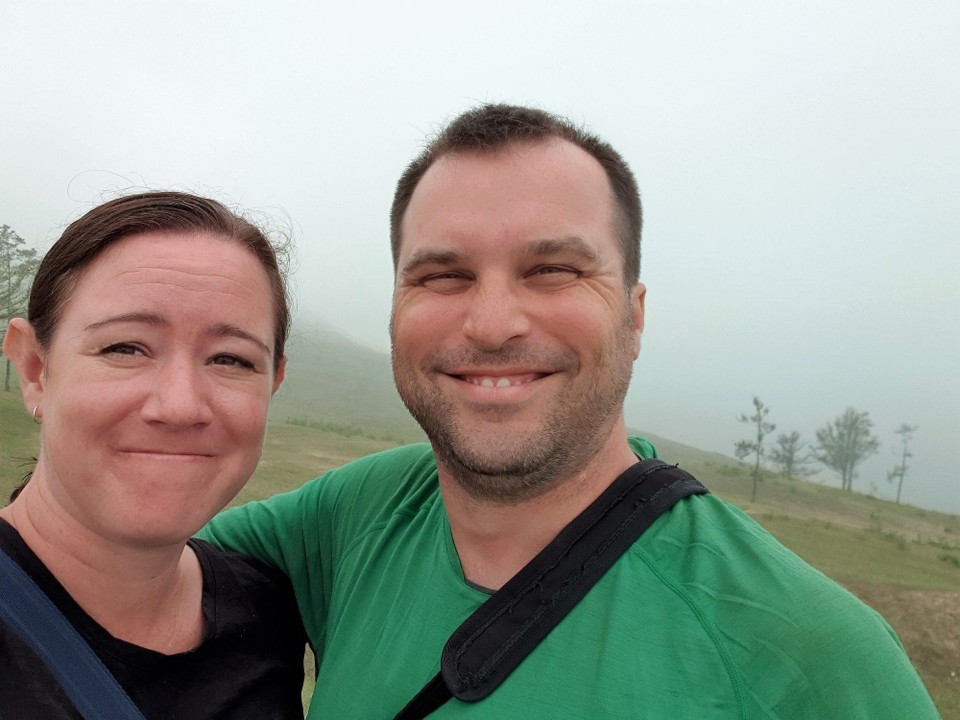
(798, 163)
(332, 378)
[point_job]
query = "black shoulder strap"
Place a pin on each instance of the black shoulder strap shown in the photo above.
(29, 613)
(495, 639)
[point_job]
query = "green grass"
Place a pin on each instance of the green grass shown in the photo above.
(904, 561)
(867, 555)
(19, 441)
(293, 454)
(891, 556)
(330, 379)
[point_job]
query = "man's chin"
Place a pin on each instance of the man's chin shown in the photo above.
(499, 470)
(500, 448)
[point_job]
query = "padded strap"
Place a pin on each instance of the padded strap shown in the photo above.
(29, 613)
(495, 639)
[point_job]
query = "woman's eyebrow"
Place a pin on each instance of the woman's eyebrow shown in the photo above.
(217, 330)
(228, 330)
(144, 318)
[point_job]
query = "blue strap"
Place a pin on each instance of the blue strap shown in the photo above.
(29, 613)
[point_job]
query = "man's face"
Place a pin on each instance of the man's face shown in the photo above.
(513, 334)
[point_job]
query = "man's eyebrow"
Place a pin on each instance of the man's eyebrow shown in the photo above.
(218, 330)
(571, 244)
(539, 248)
(428, 256)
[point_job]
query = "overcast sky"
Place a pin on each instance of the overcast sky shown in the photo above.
(799, 164)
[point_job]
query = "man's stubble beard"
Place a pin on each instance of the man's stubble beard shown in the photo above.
(510, 469)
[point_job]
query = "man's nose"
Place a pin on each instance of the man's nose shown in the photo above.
(179, 395)
(496, 314)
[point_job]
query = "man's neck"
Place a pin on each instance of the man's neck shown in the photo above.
(495, 540)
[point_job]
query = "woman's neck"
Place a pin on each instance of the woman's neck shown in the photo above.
(148, 596)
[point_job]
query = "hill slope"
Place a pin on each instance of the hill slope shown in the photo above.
(334, 381)
(902, 560)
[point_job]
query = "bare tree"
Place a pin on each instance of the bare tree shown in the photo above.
(745, 448)
(899, 472)
(789, 456)
(845, 443)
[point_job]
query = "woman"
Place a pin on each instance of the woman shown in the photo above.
(153, 344)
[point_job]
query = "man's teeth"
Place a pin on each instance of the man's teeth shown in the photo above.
(490, 382)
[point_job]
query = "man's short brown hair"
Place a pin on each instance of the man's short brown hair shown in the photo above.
(488, 128)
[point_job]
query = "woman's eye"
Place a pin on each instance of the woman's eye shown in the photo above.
(233, 361)
(121, 349)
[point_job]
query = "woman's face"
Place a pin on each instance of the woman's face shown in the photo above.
(156, 385)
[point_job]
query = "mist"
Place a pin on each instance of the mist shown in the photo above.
(799, 165)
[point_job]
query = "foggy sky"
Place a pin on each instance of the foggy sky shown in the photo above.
(799, 164)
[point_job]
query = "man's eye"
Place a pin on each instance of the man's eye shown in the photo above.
(446, 282)
(443, 276)
(553, 274)
(553, 269)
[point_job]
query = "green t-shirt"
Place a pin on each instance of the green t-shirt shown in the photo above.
(706, 616)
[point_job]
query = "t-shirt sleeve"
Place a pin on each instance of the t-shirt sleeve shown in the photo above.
(304, 532)
(854, 666)
(292, 529)
(873, 678)
(259, 529)
(290, 532)
(643, 448)
(798, 645)
(872, 675)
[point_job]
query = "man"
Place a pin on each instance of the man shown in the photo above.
(517, 317)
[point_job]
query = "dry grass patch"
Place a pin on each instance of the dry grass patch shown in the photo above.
(928, 623)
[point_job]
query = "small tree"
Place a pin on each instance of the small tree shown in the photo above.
(745, 448)
(899, 472)
(789, 456)
(18, 264)
(845, 443)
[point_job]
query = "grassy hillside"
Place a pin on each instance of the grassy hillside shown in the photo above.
(339, 403)
(903, 561)
(18, 442)
(332, 380)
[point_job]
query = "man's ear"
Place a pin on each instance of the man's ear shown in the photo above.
(279, 374)
(638, 296)
(20, 345)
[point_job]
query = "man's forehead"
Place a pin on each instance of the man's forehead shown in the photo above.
(549, 168)
(533, 196)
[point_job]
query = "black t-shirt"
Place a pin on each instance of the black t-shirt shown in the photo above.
(250, 664)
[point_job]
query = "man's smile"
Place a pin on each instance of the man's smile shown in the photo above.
(499, 380)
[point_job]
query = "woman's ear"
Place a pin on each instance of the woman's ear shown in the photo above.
(20, 345)
(279, 374)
